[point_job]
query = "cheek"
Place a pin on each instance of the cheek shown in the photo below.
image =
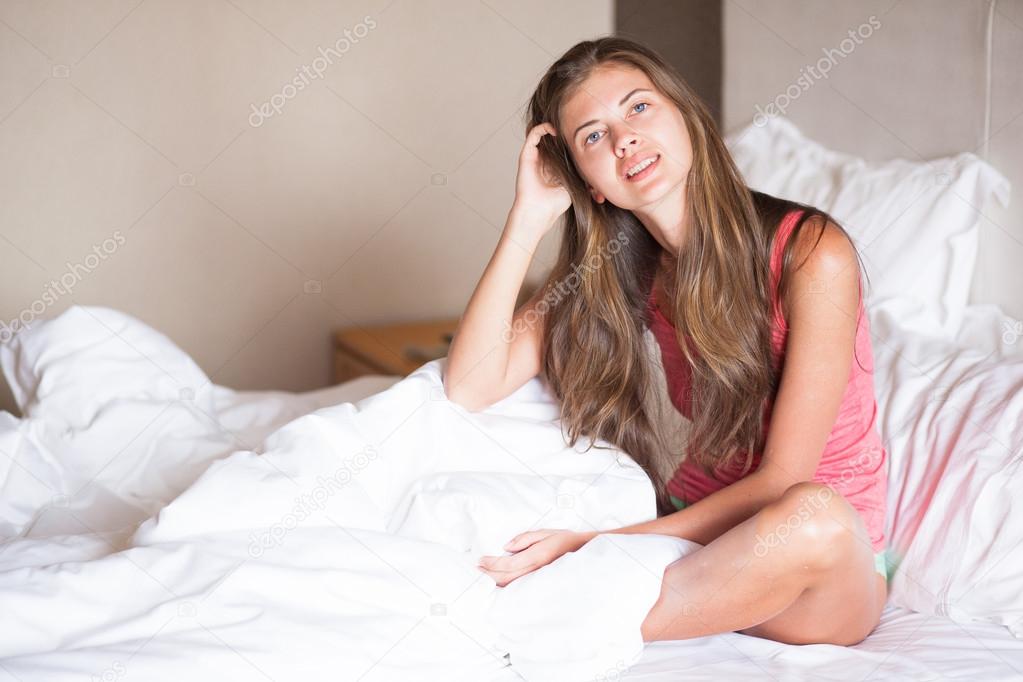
(673, 136)
(672, 131)
(683, 139)
(595, 173)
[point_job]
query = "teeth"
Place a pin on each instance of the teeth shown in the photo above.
(640, 166)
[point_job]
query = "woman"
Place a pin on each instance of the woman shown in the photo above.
(757, 308)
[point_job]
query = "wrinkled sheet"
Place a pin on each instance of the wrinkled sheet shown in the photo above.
(149, 533)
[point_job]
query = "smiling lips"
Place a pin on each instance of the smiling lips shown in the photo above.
(646, 170)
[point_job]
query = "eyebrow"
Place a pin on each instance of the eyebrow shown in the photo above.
(624, 100)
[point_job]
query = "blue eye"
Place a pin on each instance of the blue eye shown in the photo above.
(637, 104)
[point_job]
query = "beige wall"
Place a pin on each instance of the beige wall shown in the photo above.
(377, 193)
(914, 89)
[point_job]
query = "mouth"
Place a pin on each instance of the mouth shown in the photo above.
(646, 171)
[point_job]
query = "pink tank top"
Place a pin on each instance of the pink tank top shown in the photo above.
(854, 459)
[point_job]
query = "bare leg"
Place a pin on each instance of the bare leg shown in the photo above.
(801, 570)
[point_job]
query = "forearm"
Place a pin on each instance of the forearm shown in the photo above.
(478, 356)
(705, 520)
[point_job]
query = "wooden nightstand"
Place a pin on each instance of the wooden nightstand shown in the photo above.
(395, 349)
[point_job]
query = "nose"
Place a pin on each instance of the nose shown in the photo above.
(626, 138)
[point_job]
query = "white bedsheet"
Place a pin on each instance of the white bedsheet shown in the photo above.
(377, 582)
(904, 646)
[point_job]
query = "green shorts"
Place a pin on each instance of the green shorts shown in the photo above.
(883, 563)
(881, 559)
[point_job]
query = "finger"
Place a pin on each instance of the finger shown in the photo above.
(495, 563)
(495, 572)
(510, 564)
(539, 131)
(521, 541)
(499, 565)
(502, 578)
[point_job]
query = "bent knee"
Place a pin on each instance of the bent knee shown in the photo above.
(816, 517)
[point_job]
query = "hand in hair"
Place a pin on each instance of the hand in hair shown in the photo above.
(531, 550)
(538, 190)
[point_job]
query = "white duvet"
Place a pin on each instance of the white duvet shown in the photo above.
(161, 527)
(343, 546)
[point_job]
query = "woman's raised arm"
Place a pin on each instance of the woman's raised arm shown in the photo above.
(495, 348)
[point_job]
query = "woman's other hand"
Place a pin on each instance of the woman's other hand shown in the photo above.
(532, 550)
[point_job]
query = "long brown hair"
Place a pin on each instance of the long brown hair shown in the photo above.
(594, 354)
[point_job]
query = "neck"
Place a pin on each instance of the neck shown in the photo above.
(667, 219)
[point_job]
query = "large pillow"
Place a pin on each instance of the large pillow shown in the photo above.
(64, 369)
(915, 223)
(952, 420)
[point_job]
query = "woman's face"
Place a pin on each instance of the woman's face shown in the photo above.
(616, 120)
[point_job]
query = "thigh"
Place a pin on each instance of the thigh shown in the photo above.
(836, 612)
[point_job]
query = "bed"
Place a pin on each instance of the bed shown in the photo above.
(159, 526)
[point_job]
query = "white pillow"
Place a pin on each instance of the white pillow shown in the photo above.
(953, 425)
(67, 368)
(117, 422)
(915, 223)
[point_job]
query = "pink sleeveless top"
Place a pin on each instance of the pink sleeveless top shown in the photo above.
(854, 459)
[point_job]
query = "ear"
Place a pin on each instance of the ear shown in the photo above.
(597, 196)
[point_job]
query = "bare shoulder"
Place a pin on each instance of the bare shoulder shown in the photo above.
(824, 262)
(822, 245)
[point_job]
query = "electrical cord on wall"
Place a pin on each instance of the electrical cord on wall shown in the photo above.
(989, 50)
